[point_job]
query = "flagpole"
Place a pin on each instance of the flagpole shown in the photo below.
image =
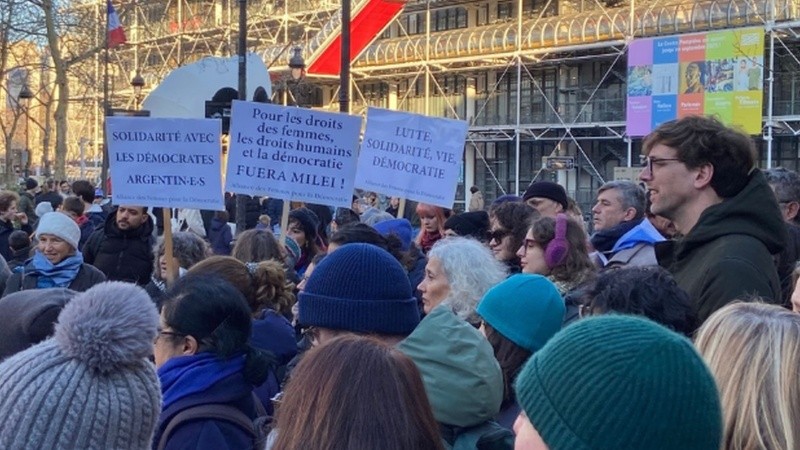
(104, 169)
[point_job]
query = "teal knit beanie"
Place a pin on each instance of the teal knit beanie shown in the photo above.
(527, 309)
(620, 382)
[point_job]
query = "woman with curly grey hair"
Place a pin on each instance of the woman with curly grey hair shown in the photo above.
(458, 274)
(188, 249)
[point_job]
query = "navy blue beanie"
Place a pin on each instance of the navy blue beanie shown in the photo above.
(359, 288)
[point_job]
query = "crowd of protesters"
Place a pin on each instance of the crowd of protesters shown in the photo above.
(670, 321)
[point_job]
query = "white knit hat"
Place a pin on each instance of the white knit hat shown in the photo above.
(59, 225)
(90, 386)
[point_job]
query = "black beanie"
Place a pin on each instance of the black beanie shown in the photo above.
(547, 189)
(473, 224)
(308, 222)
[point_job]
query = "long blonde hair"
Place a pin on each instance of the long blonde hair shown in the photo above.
(753, 350)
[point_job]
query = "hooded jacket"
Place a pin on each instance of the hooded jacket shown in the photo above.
(461, 375)
(634, 248)
(122, 255)
(727, 254)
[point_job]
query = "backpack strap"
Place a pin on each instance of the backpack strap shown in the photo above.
(216, 411)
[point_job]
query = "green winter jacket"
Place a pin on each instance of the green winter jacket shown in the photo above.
(728, 253)
(461, 375)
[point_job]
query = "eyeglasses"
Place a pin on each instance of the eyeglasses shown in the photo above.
(498, 235)
(649, 162)
(528, 244)
(584, 311)
(168, 333)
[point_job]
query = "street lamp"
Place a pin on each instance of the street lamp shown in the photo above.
(138, 83)
(297, 68)
(297, 64)
(24, 99)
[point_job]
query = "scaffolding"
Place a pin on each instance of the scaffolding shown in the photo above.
(533, 78)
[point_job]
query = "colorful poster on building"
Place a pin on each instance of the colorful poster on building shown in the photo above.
(719, 73)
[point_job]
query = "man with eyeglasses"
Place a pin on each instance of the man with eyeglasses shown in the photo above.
(785, 184)
(701, 175)
(622, 236)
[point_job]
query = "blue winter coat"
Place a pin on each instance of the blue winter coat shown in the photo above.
(211, 434)
(220, 236)
(273, 333)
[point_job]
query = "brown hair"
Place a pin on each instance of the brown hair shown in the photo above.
(256, 246)
(702, 140)
(74, 205)
(7, 198)
(263, 284)
(356, 393)
(511, 358)
(577, 266)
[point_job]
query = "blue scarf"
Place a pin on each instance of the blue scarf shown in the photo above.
(56, 275)
(183, 376)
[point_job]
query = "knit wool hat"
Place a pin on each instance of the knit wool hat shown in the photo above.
(359, 288)
(620, 382)
(525, 308)
(473, 224)
(59, 225)
(31, 183)
(91, 385)
(308, 222)
(399, 227)
(547, 189)
(30, 316)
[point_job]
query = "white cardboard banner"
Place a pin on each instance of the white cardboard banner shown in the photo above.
(292, 153)
(172, 163)
(411, 156)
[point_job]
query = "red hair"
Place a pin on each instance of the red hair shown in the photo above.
(424, 209)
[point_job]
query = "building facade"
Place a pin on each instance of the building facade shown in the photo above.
(534, 78)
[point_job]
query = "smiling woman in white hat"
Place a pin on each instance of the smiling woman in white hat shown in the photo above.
(57, 262)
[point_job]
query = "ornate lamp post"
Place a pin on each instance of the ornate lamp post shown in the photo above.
(137, 82)
(24, 99)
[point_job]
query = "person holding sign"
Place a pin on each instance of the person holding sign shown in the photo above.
(432, 226)
(57, 261)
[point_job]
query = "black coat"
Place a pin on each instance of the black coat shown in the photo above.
(6, 228)
(87, 277)
(122, 255)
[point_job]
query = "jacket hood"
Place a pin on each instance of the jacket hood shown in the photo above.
(753, 212)
(111, 228)
(644, 233)
(461, 375)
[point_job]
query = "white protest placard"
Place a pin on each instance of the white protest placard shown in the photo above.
(292, 153)
(411, 156)
(172, 163)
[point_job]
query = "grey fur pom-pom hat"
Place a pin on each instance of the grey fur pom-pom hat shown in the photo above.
(90, 386)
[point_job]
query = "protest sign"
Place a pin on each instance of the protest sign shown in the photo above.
(172, 163)
(411, 156)
(292, 153)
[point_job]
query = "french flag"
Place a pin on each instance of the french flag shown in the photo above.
(116, 35)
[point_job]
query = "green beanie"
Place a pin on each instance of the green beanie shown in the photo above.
(620, 382)
(526, 309)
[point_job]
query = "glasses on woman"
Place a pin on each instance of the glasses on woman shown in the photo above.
(499, 234)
